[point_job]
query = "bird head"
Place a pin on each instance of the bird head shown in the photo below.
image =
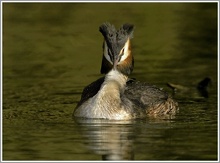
(117, 48)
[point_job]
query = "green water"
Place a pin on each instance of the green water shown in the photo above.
(51, 51)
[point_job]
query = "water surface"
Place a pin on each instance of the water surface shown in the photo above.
(51, 51)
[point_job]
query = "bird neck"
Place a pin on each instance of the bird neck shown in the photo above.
(107, 102)
(112, 88)
(115, 80)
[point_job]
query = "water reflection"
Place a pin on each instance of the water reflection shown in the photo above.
(113, 140)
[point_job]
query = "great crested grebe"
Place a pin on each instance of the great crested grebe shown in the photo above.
(115, 96)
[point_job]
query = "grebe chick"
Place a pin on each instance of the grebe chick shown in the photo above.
(115, 96)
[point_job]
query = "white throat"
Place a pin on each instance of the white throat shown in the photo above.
(116, 77)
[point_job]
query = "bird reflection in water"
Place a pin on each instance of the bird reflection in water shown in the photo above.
(113, 140)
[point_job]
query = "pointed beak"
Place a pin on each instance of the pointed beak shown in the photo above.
(115, 62)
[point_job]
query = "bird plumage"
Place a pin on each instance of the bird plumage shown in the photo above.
(115, 96)
(107, 102)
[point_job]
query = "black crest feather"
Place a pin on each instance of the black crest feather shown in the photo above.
(118, 37)
(107, 30)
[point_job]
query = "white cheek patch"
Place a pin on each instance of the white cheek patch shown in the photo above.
(126, 51)
(106, 53)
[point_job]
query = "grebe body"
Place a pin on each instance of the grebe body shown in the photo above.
(115, 96)
(134, 99)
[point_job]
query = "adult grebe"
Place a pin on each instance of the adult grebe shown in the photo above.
(115, 96)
